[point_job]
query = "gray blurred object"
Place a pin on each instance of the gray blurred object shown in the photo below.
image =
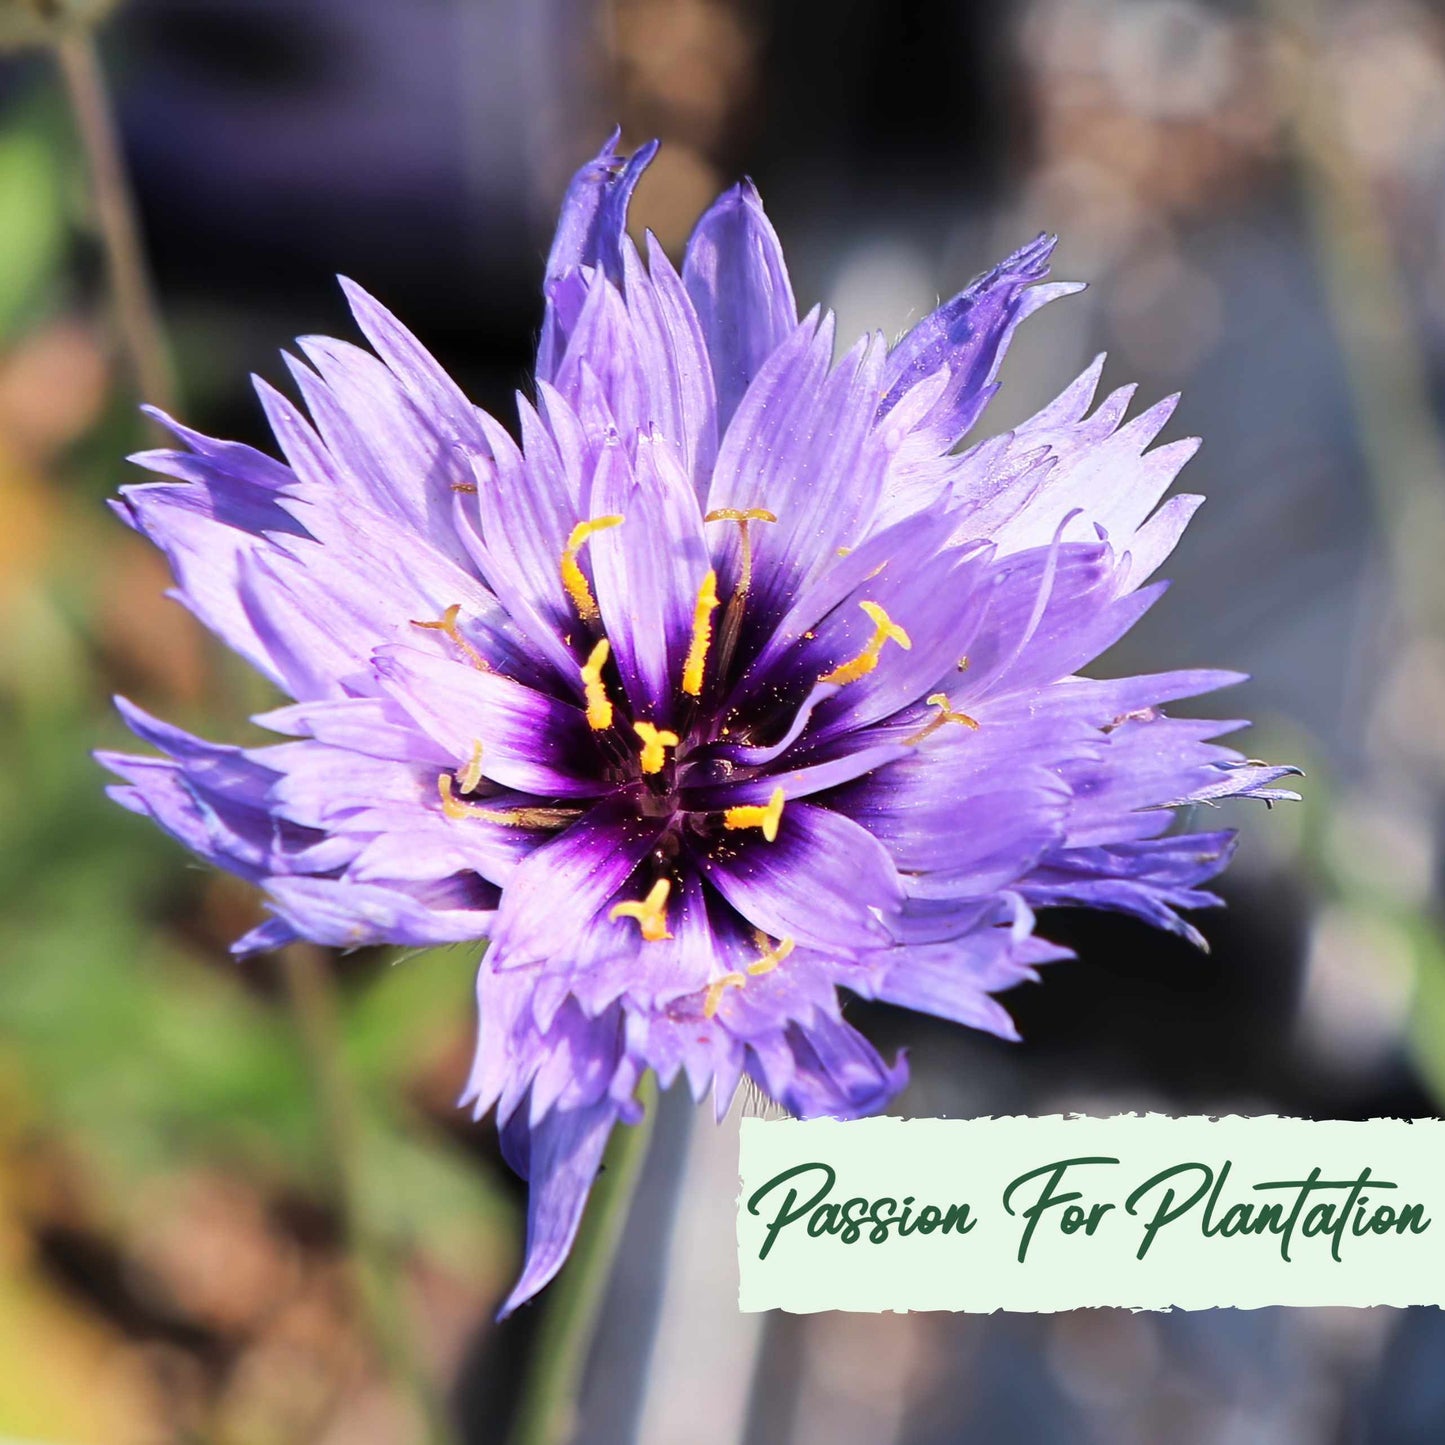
(417, 132)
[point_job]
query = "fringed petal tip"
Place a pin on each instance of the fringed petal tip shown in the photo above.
(266, 937)
(563, 1153)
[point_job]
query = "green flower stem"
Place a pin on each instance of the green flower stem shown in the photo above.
(137, 318)
(312, 996)
(1369, 305)
(548, 1411)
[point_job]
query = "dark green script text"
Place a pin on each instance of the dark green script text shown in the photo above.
(1066, 1198)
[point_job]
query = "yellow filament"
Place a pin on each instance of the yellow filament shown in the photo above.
(654, 744)
(751, 815)
(766, 964)
(742, 516)
(945, 715)
(447, 625)
(599, 705)
(572, 577)
(469, 776)
(884, 630)
(692, 669)
(650, 913)
(458, 808)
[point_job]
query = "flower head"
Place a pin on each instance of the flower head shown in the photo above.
(728, 683)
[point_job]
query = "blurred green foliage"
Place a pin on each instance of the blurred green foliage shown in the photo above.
(132, 1049)
(31, 222)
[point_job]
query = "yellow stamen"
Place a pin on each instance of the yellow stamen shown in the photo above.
(599, 705)
(733, 618)
(945, 715)
(766, 964)
(654, 742)
(469, 776)
(742, 516)
(692, 669)
(572, 576)
(751, 815)
(650, 913)
(458, 808)
(447, 624)
(452, 806)
(464, 487)
(884, 630)
(717, 988)
(772, 958)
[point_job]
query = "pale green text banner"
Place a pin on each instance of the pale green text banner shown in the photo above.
(1138, 1211)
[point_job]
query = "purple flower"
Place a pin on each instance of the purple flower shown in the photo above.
(732, 682)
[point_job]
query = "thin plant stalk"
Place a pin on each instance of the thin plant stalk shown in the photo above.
(312, 996)
(548, 1414)
(136, 314)
(1383, 357)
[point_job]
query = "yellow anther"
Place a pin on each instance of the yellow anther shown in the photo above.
(751, 815)
(740, 514)
(692, 669)
(572, 577)
(717, 988)
(464, 487)
(654, 743)
(447, 624)
(884, 630)
(599, 705)
(772, 958)
(650, 913)
(945, 715)
(458, 808)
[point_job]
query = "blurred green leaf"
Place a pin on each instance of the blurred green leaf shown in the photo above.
(1427, 1016)
(420, 998)
(32, 221)
(420, 1191)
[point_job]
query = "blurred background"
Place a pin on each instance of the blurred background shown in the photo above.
(1256, 193)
